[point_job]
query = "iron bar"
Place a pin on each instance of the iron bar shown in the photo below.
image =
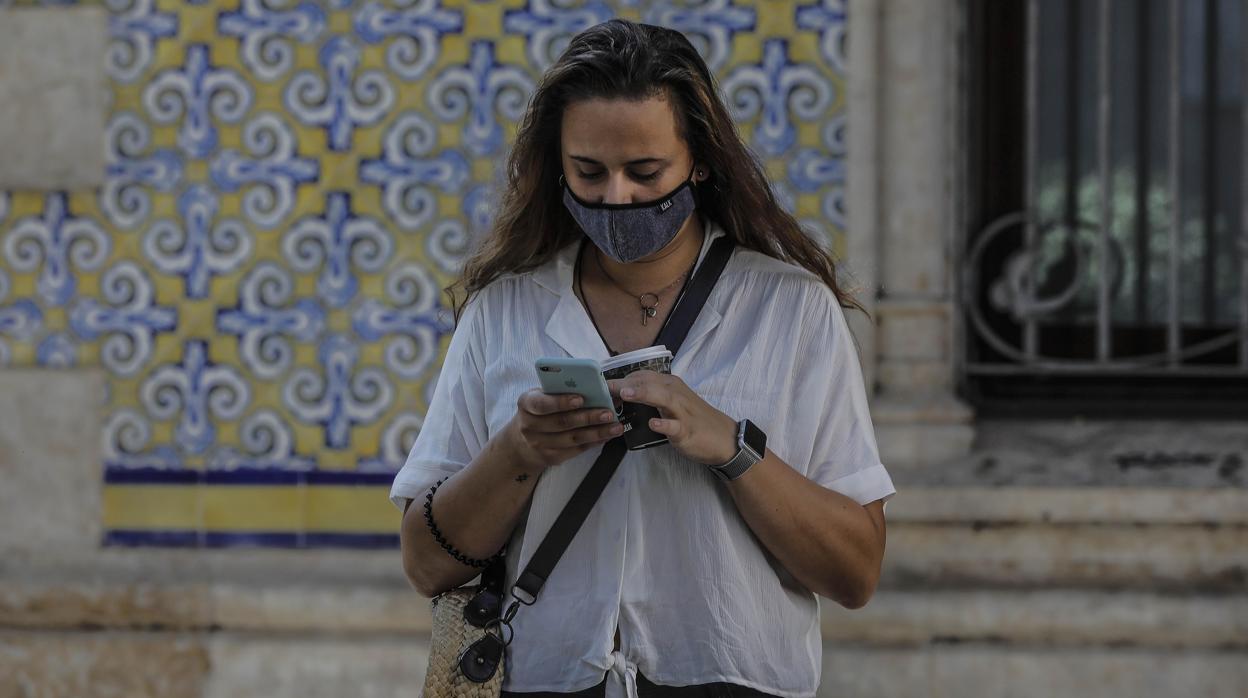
(1176, 182)
(1104, 108)
(1074, 57)
(1209, 167)
(1243, 183)
(1030, 333)
(1143, 161)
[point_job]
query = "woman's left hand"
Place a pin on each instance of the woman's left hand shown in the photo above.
(696, 429)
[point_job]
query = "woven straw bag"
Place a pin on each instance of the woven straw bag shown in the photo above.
(452, 650)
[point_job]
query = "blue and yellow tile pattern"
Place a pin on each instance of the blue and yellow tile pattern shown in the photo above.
(289, 186)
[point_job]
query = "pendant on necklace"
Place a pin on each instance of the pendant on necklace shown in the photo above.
(648, 311)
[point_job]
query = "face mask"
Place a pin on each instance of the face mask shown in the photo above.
(629, 232)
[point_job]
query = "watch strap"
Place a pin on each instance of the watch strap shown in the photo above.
(745, 459)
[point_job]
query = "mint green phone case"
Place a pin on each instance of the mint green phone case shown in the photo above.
(559, 376)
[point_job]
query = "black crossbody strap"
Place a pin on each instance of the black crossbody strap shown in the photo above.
(690, 305)
(586, 495)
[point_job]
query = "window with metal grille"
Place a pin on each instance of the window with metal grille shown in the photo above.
(1105, 269)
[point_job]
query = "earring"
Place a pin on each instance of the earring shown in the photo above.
(701, 174)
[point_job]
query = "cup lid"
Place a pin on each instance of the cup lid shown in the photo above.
(656, 352)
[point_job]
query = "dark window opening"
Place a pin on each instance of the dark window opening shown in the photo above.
(1086, 290)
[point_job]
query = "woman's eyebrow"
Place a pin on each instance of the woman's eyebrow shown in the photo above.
(638, 161)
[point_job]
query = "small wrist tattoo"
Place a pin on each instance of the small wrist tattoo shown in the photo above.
(522, 477)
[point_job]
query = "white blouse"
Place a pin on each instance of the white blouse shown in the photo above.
(664, 554)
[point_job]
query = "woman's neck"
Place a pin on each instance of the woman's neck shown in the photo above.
(658, 270)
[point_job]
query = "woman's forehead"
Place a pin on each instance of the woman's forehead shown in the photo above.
(610, 130)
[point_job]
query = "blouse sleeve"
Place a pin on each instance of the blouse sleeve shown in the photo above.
(454, 429)
(844, 456)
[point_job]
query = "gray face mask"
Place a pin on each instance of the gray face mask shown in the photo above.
(629, 232)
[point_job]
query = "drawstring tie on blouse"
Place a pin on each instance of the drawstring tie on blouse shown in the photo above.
(621, 677)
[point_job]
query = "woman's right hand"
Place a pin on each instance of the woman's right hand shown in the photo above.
(550, 429)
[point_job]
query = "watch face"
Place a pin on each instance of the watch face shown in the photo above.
(755, 438)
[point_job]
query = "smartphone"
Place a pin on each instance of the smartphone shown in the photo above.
(560, 376)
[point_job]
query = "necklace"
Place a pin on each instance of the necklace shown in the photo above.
(647, 310)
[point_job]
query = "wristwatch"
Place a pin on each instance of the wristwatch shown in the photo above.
(751, 447)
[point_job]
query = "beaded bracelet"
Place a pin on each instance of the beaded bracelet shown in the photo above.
(437, 535)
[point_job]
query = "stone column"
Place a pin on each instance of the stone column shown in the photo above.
(904, 185)
(53, 97)
(50, 425)
(54, 101)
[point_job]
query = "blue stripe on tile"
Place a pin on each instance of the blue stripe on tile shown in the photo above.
(352, 540)
(347, 477)
(248, 476)
(244, 476)
(160, 539)
(250, 539)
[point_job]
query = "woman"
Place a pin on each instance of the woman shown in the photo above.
(679, 577)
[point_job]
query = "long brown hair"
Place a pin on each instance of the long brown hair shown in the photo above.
(625, 60)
